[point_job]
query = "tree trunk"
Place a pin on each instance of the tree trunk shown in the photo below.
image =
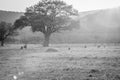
(46, 40)
(2, 43)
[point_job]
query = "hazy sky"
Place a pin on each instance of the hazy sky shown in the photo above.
(81, 5)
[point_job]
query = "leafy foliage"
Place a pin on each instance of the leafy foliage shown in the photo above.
(6, 29)
(21, 22)
(49, 16)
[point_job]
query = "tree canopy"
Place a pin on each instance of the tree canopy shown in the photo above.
(6, 29)
(49, 16)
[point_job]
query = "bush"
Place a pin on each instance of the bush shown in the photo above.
(51, 50)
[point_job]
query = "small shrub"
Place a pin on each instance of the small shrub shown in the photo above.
(94, 71)
(66, 69)
(51, 50)
(117, 77)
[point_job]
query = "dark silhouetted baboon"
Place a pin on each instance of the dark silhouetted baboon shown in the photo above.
(85, 46)
(25, 46)
(21, 47)
(98, 46)
(69, 48)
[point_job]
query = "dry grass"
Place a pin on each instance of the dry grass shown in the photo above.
(76, 63)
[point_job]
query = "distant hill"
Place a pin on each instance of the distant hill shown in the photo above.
(101, 25)
(95, 26)
(9, 16)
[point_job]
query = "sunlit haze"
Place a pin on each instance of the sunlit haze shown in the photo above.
(80, 5)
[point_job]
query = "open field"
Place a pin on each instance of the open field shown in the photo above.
(68, 62)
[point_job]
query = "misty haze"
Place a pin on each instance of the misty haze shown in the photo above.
(55, 40)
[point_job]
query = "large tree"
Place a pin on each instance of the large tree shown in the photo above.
(6, 29)
(49, 16)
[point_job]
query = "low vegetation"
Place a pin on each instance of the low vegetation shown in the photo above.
(78, 63)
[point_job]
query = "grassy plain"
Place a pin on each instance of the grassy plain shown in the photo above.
(69, 62)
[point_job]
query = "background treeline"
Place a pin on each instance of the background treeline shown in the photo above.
(95, 26)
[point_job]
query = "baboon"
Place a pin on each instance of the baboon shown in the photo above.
(98, 46)
(21, 47)
(25, 46)
(69, 48)
(85, 46)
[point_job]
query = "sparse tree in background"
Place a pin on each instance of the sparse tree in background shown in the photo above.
(6, 29)
(49, 16)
